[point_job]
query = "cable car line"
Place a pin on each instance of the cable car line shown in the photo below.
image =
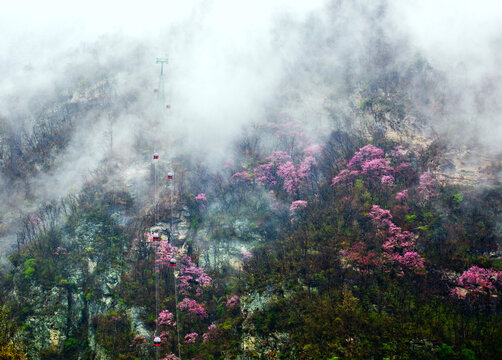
(156, 238)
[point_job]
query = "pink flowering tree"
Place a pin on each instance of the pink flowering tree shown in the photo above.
(191, 338)
(313, 149)
(192, 308)
(171, 356)
(138, 345)
(369, 163)
(290, 134)
(402, 195)
(201, 200)
(380, 171)
(478, 283)
(192, 279)
(242, 177)
(397, 251)
(295, 207)
(166, 318)
(192, 282)
(233, 301)
(165, 252)
(210, 334)
(281, 172)
(428, 187)
(201, 197)
(246, 255)
(399, 247)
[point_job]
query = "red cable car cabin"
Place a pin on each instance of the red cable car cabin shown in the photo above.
(155, 90)
(155, 236)
(156, 341)
(155, 156)
(172, 262)
(170, 175)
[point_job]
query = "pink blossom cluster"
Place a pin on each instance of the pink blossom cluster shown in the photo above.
(362, 257)
(387, 180)
(165, 336)
(191, 338)
(403, 167)
(246, 255)
(478, 281)
(171, 356)
(398, 152)
(192, 307)
(400, 245)
(289, 129)
(201, 197)
(366, 153)
(305, 167)
(368, 161)
(241, 177)
(279, 157)
(210, 333)
(166, 318)
(291, 180)
(233, 301)
(281, 168)
(296, 205)
(314, 149)
(191, 274)
(427, 187)
(403, 195)
(265, 174)
(165, 252)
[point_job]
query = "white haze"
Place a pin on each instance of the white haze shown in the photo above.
(228, 63)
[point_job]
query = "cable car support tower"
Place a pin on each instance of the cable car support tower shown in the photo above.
(161, 94)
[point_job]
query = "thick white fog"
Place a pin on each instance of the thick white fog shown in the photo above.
(231, 63)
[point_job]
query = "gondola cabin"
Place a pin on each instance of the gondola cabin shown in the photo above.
(172, 262)
(156, 237)
(170, 175)
(156, 341)
(155, 90)
(168, 107)
(155, 156)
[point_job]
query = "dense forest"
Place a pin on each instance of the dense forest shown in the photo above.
(370, 236)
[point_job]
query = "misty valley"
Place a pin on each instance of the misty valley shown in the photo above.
(252, 181)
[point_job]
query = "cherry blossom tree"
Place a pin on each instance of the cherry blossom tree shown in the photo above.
(402, 195)
(397, 248)
(246, 255)
(428, 186)
(201, 197)
(171, 356)
(477, 282)
(242, 177)
(191, 338)
(369, 162)
(296, 205)
(192, 277)
(211, 332)
(166, 318)
(192, 307)
(233, 301)
(399, 245)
